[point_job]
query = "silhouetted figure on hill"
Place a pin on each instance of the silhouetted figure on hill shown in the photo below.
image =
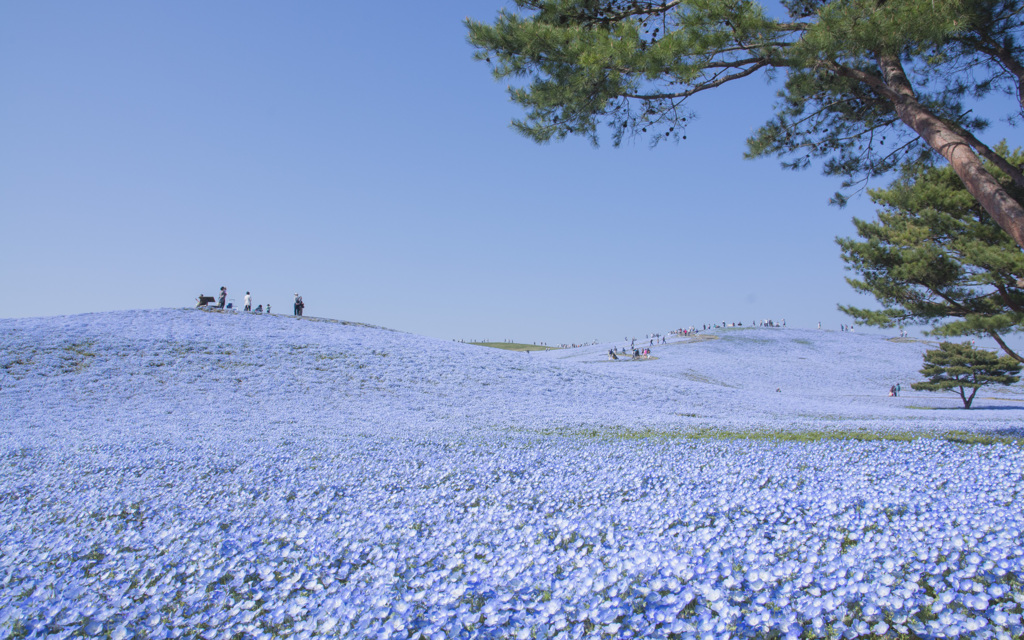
(204, 300)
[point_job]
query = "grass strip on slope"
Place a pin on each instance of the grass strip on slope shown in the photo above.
(961, 437)
(911, 340)
(707, 433)
(513, 346)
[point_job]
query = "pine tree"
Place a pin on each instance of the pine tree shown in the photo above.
(935, 258)
(962, 367)
(868, 83)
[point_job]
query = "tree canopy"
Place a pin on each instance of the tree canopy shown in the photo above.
(962, 367)
(933, 257)
(867, 83)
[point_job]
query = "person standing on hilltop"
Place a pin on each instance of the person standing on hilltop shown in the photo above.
(247, 301)
(298, 305)
(222, 299)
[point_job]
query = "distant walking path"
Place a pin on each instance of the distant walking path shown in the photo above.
(236, 312)
(513, 346)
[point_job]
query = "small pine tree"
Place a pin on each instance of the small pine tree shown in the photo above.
(962, 367)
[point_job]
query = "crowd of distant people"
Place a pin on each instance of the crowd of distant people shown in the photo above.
(506, 340)
(636, 353)
(682, 332)
(220, 301)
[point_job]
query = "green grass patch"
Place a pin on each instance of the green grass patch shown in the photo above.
(696, 377)
(748, 339)
(909, 340)
(700, 337)
(513, 346)
(966, 437)
(859, 435)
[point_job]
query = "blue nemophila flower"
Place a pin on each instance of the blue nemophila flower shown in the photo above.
(174, 471)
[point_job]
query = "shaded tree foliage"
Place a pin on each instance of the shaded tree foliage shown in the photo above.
(962, 367)
(933, 257)
(867, 83)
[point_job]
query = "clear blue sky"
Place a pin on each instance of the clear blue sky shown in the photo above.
(153, 151)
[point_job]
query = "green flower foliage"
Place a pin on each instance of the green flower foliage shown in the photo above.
(962, 367)
(934, 257)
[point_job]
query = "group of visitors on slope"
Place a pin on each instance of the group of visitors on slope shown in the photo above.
(222, 302)
(638, 354)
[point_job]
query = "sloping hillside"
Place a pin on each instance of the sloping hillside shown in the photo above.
(177, 473)
(190, 371)
(778, 378)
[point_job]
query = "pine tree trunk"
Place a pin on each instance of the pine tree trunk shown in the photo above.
(968, 401)
(1005, 211)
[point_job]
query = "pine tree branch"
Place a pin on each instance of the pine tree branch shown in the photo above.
(986, 152)
(724, 64)
(1005, 296)
(957, 310)
(1010, 352)
(876, 83)
(1004, 58)
(719, 81)
(644, 10)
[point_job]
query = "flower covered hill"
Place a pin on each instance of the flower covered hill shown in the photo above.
(217, 371)
(176, 473)
(783, 379)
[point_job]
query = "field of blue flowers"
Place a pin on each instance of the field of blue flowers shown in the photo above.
(179, 473)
